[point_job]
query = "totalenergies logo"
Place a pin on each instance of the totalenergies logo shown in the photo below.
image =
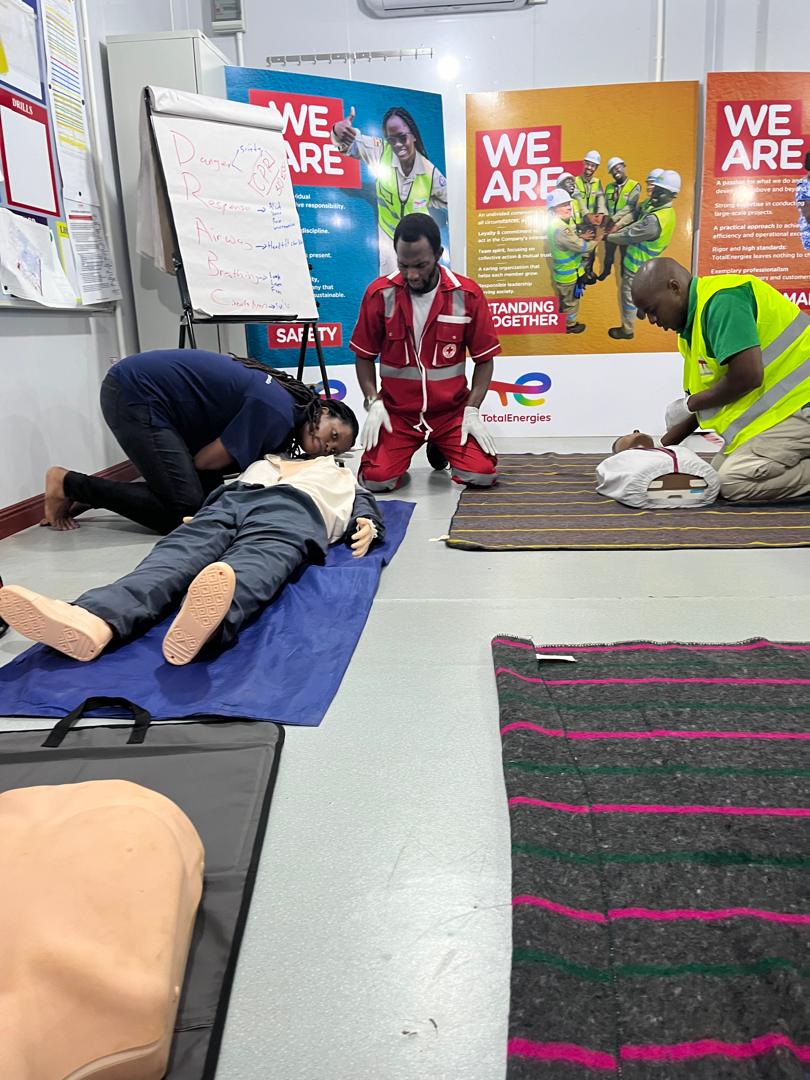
(337, 390)
(527, 389)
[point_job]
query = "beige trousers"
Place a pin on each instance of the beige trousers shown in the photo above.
(569, 304)
(771, 467)
(627, 309)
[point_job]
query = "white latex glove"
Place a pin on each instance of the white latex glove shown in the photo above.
(377, 417)
(677, 412)
(472, 424)
(361, 540)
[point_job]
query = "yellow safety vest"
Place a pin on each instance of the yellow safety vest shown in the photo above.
(637, 254)
(390, 207)
(565, 265)
(784, 337)
(589, 196)
(616, 197)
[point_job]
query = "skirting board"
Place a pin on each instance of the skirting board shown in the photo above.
(22, 515)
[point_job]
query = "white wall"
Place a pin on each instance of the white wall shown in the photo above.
(51, 365)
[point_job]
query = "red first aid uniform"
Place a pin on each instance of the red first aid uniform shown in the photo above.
(425, 391)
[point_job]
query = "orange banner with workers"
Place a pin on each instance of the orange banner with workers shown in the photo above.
(569, 191)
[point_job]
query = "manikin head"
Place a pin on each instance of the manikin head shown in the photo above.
(660, 291)
(418, 247)
(636, 440)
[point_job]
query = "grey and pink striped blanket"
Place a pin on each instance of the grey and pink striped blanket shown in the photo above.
(660, 811)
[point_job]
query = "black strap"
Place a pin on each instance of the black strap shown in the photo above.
(141, 719)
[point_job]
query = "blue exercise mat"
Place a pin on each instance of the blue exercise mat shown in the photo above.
(286, 666)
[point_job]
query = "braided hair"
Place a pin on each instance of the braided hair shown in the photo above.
(308, 400)
(406, 118)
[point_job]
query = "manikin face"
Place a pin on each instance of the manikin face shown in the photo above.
(637, 440)
(331, 436)
(588, 169)
(400, 138)
(418, 264)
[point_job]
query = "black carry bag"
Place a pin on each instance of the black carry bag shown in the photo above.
(221, 773)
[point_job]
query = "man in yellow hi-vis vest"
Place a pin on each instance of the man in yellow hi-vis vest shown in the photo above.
(645, 239)
(567, 182)
(406, 181)
(591, 196)
(746, 375)
(621, 198)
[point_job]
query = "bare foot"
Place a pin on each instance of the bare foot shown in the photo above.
(74, 510)
(57, 505)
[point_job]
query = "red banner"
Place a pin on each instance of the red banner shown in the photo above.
(527, 315)
(756, 187)
(517, 166)
(308, 123)
(288, 335)
(758, 138)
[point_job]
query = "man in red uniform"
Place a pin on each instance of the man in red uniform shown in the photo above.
(421, 321)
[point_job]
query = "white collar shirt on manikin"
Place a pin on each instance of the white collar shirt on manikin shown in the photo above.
(330, 487)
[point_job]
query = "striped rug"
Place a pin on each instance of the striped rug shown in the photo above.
(660, 810)
(544, 502)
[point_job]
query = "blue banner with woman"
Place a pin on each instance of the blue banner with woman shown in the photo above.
(361, 156)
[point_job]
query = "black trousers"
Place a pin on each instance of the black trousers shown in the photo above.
(265, 534)
(172, 487)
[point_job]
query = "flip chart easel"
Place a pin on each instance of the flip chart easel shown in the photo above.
(246, 209)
